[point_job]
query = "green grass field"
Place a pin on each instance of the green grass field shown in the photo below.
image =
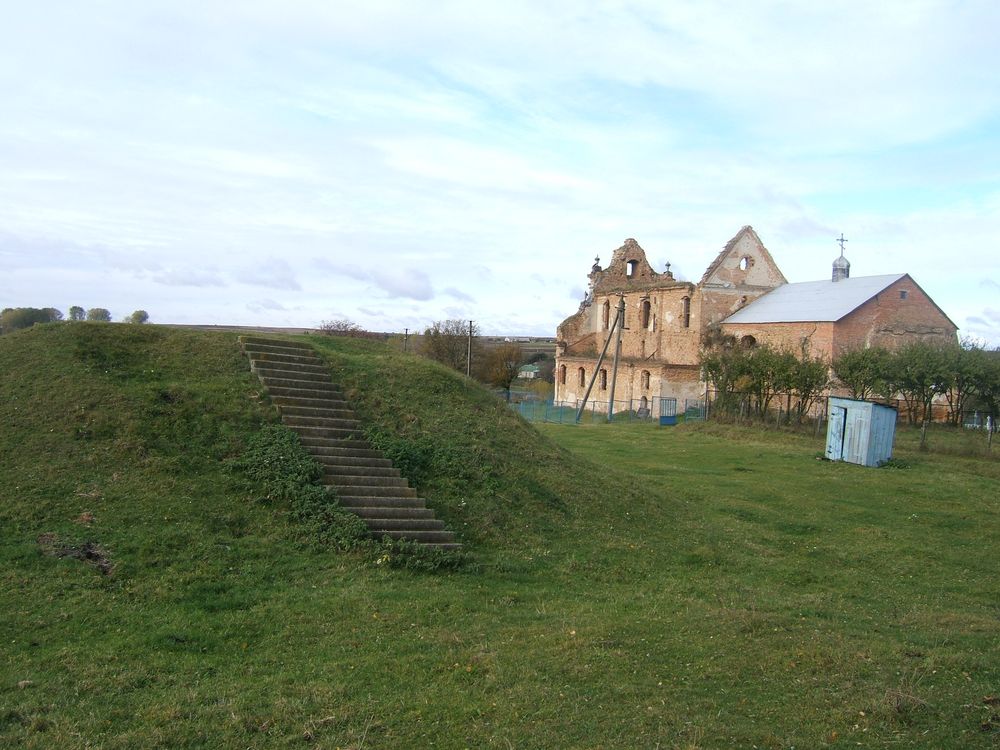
(700, 587)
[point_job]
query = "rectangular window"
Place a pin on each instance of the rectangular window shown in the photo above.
(903, 294)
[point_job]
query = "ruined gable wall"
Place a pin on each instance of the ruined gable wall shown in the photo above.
(890, 321)
(744, 273)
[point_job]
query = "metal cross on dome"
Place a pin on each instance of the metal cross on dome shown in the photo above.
(841, 240)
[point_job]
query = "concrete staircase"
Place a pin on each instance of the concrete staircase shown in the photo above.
(367, 484)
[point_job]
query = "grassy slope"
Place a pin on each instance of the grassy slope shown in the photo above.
(747, 594)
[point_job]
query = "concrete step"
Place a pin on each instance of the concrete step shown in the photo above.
(308, 393)
(253, 348)
(350, 502)
(335, 422)
(404, 524)
(300, 368)
(289, 361)
(354, 470)
(352, 461)
(419, 536)
(263, 371)
(327, 433)
(421, 513)
(314, 411)
(273, 341)
(319, 403)
(316, 385)
(322, 447)
(364, 485)
(444, 545)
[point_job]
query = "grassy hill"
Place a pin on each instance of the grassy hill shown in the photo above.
(634, 587)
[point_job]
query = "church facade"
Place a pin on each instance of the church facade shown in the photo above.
(742, 293)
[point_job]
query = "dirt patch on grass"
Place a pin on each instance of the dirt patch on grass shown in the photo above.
(88, 552)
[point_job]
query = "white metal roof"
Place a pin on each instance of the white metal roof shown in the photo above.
(809, 301)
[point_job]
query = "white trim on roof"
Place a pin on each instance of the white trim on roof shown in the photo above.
(813, 301)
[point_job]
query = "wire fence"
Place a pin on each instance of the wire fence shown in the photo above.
(657, 410)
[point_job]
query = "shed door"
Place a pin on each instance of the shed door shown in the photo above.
(835, 433)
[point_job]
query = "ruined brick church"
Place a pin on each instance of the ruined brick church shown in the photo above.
(743, 294)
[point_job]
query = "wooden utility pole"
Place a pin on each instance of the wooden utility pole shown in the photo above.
(468, 356)
(597, 368)
(620, 317)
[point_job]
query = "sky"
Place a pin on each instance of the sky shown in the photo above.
(397, 163)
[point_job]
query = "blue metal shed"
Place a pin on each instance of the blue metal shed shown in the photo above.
(859, 432)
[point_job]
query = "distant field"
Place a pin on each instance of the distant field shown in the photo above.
(634, 586)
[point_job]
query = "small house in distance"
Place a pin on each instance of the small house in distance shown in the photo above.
(859, 432)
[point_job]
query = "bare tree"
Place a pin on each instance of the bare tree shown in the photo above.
(447, 341)
(503, 363)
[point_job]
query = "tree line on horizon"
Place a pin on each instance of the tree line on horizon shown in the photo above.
(17, 318)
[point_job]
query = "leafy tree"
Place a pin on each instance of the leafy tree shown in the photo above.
(985, 385)
(447, 342)
(16, 318)
(863, 372)
(965, 363)
(77, 313)
(138, 317)
(809, 380)
(99, 314)
(919, 371)
(502, 366)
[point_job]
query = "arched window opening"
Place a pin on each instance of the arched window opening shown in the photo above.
(604, 379)
(745, 263)
(605, 314)
(748, 342)
(581, 376)
(644, 313)
(686, 312)
(644, 406)
(562, 374)
(644, 380)
(630, 267)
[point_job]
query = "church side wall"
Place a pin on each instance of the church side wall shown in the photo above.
(892, 319)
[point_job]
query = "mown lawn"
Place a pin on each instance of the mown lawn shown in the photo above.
(699, 587)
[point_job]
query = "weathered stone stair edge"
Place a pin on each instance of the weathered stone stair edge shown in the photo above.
(365, 481)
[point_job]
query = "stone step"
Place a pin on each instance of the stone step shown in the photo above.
(364, 485)
(352, 461)
(393, 512)
(354, 470)
(321, 447)
(301, 368)
(264, 372)
(315, 411)
(404, 524)
(318, 445)
(307, 393)
(349, 502)
(319, 403)
(272, 341)
(419, 536)
(253, 348)
(444, 545)
(316, 385)
(326, 433)
(292, 420)
(307, 361)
